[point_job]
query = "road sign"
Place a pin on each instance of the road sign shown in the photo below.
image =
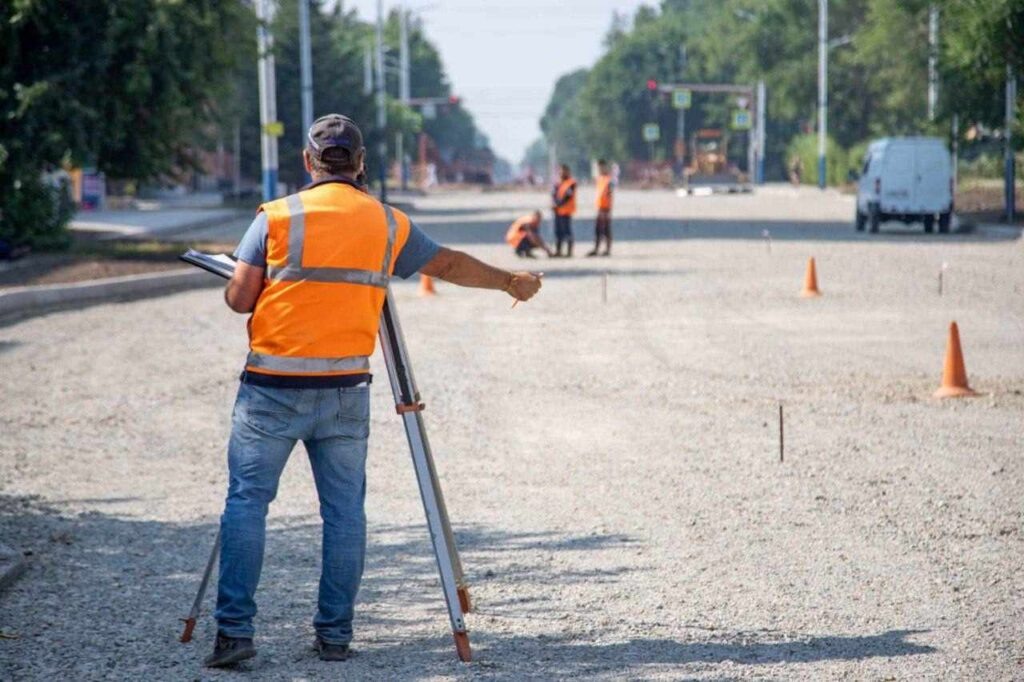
(429, 111)
(742, 102)
(274, 128)
(652, 132)
(681, 99)
(741, 120)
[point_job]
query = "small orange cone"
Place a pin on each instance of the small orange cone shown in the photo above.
(954, 374)
(427, 286)
(810, 289)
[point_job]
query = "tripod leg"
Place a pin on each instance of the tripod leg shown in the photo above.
(190, 622)
(407, 401)
(460, 579)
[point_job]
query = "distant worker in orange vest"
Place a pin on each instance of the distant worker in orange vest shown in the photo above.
(564, 206)
(524, 235)
(313, 271)
(603, 223)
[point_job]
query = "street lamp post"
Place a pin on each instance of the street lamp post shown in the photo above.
(822, 88)
(268, 98)
(306, 72)
(382, 114)
(1010, 180)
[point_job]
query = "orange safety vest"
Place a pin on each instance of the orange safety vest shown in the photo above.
(331, 250)
(518, 230)
(604, 192)
(569, 207)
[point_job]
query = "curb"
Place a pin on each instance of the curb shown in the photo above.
(12, 565)
(21, 302)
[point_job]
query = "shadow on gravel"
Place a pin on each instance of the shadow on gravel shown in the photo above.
(103, 594)
(554, 656)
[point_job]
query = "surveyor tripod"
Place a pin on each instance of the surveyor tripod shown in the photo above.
(410, 409)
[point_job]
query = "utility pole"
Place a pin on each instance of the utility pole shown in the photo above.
(268, 98)
(681, 117)
(933, 60)
(403, 90)
(382, 114)
(306, 70)
(822, 88)
(1011, 116)
(762, 105)
(368, 66)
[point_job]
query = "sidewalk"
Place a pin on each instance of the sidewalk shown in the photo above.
(152, 223)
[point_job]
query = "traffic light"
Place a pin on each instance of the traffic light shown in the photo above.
(454, 100)
(652, 84)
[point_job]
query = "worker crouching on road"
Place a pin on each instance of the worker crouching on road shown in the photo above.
(313, 270)
(524, 235)
(603, 222)
(564, 206)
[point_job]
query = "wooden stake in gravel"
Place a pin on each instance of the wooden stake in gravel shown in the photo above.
(604, 287)
(782, 449)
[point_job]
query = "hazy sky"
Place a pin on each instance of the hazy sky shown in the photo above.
(503, 57)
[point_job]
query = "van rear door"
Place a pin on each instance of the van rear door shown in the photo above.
(898, 178)
(932, 177)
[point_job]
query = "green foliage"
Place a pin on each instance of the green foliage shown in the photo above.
(34, 213)
(877, 71)
(562, 126)
(127, 87)
(838, 163)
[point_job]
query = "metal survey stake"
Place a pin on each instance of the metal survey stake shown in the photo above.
(781, 441)
(410, 409)
(190, 622)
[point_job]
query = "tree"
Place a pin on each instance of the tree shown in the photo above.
(131, 88)
(561, 123)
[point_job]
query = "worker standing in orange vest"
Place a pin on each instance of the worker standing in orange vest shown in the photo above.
(603, 222)
(524, 235)
(564, 205)
(313, 269)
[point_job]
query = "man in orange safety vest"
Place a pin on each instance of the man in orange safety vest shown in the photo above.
(313, 271)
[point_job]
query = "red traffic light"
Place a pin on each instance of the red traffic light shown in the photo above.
(652, 84)
(454, 99)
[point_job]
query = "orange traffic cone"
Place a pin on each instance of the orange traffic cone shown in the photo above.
(427, 286)
(810, 289)
(954, 374)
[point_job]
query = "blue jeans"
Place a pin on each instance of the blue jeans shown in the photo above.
(334, 423)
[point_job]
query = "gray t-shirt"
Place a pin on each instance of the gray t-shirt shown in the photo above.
(419, 249)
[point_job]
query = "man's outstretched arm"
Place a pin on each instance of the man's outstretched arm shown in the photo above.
(462, 269)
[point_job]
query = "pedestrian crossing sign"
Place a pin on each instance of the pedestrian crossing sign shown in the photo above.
(681, 99)
(741, 120)
(652, 132)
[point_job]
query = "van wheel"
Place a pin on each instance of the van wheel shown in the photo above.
(944, 219)
(874, 217)
(929, 223)
(860, 221)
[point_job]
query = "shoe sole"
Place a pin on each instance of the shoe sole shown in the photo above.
(237, 657)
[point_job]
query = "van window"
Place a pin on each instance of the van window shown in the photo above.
(867, 164)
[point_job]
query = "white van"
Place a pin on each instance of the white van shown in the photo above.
(908, 179)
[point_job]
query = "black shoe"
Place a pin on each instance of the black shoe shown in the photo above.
(591, 254)
(331, 652)
(229, 650)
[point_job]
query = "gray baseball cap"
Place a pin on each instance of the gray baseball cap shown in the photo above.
(333, 131)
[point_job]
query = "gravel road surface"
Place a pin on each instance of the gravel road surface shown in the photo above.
(611, 468)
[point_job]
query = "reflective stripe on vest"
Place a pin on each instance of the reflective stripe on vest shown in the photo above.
(296, 365)
(294, 272)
